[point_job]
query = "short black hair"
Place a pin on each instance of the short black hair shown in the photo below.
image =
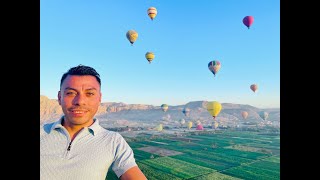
(81, 70)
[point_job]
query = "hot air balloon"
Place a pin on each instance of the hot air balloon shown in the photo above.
(186, 111)
(132, 36)
(149, 56)
(254, 87)
(244, 114)
(264, 115)
(159, 127)
(189, 124)
(109, 109)
(214, 66)
(215, 124)
(248, 20)
(166, 118)
(198, 122)
(152, 12)
(199, 127)
(214, 108)
(164, 107)
(182, 121)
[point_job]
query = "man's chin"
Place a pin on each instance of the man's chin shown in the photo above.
(78, 120)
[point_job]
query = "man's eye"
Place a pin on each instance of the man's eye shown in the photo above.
(70, 93)
(90, 94)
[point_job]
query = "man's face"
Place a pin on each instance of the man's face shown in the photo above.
(79, 98)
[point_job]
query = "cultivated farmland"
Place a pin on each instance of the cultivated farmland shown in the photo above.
(206, 155)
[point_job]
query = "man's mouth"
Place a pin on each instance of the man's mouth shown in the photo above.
(78, 111)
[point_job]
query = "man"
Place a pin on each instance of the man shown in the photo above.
(76, 146)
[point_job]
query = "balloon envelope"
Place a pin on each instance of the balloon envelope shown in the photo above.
(182, 121)
(214, 66)
(247, 21)
(149, 56)
(254, 87)
(132, 36)
(264, 115)
(214, 108)
(109, 109)
(152, 12)
(186, 111)
(159, 127)
(189, 124)
(215, 124)
(164, 107)
(199, 127)
(244, 114)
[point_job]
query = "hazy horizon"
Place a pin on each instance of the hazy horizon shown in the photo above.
(173, 104)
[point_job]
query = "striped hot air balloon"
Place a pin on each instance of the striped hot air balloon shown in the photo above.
(152, 12)
(214, 66)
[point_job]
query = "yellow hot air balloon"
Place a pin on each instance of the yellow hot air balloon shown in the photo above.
(189, 124)
(159, 127)
(214, 108)
(149, 56)
(215, 124)
(132, 36)
(152, 12)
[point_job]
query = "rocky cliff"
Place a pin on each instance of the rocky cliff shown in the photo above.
(121, 114)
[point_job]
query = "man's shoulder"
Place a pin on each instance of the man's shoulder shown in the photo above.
(46, 127)
(113, 134)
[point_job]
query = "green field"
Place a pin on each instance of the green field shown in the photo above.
(207, 155)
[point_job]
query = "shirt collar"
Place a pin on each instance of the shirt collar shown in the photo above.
(93, 129)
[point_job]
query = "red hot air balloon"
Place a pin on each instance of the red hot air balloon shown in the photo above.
(248, 20)
(254, 87)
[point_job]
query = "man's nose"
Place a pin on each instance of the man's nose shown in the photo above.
(80, 99)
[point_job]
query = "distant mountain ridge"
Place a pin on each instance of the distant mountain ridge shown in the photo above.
(121, 114)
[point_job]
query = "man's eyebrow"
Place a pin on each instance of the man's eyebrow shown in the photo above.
(89, 89)
(69, 88)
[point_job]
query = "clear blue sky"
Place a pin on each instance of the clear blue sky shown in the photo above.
(184, 36)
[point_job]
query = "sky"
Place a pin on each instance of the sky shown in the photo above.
(184, 36)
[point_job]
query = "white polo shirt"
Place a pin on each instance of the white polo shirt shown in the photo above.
(92, 152)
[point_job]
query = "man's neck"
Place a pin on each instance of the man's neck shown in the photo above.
(73, 129)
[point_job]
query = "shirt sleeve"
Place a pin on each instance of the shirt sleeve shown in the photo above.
(124, 158)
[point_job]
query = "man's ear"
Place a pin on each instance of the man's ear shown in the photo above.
(59, 97)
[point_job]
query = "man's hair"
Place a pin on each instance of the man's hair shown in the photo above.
(81, 70)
